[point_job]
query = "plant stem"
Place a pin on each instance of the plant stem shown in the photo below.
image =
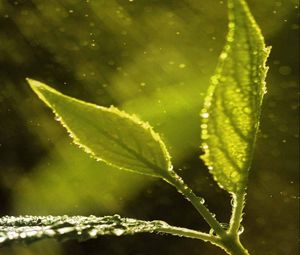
(233, 246)
(196, 201)
(230, 244)
(227, 240)
(189, 233)
(237, 212)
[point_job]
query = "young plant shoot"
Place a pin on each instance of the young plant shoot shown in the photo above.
(229, 123)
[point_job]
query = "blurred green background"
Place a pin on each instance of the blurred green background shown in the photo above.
(153, 58)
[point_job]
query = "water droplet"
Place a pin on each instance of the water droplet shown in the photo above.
(241, 230)
(31, 233)
(204, 146)
(93, 233)
(205, 115)
(58, 118)
(65, 230)
(23, 235)
(233, 174)
(232, 202)
(118, 231)
(203, 126)
(116, 217)
(246, 110)
(223, 55)
(185, 187)
(225, 226)
(3, 239)
(201, 200)
(49, 232)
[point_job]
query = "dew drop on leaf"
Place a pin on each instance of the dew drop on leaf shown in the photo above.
(93, 233)
(205, 115)
(118, 231)
(241, 230)
(3, 239)
(201, 200)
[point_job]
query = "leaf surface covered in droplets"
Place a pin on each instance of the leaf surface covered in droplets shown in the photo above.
(108, 134)
(33, 228)
(230, 117)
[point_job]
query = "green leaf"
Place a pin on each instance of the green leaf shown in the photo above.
(231, 113)
(33, 228)
(108, 134)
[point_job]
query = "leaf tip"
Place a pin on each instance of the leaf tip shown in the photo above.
(36, 86)
(33, 83)
(42, 90)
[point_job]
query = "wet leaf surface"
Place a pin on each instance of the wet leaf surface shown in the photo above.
(32, 228)
(230, 117)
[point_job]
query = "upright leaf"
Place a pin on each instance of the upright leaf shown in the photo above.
(230, 117)
(108, 134)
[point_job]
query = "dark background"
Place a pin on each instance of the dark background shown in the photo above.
(153, 58)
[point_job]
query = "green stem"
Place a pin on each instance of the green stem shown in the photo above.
(230, 244)
(237, 212)
(233, 246)
(227, 240)
(196, 201)
(189, 233)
